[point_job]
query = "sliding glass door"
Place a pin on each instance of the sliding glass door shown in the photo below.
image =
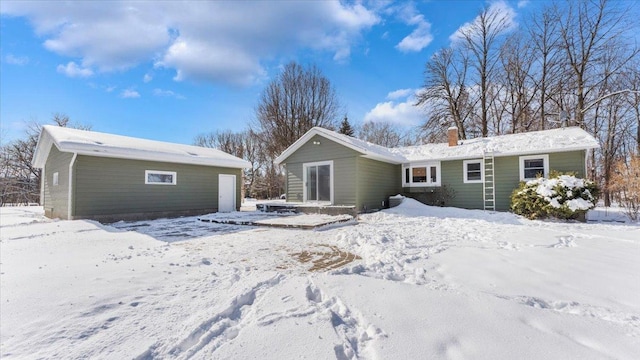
(318, 182)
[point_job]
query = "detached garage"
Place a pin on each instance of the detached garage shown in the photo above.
(106, 177)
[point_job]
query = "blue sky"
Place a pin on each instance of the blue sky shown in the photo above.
(172, 70)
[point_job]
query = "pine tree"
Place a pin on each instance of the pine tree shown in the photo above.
(345, 127)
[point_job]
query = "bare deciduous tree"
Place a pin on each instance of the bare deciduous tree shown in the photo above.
(292, 103)
(444, 95)
(381, 133)
(481, 38)
(19, 179)
(589, 30)
(574, 60)
(546, 52)
(625, 183)
(245, 145)
(517, 93)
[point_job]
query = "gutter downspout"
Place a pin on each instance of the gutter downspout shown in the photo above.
(70, 197)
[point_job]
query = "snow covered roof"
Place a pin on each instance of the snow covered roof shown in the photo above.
(94, 143)
(367, 149)
(534, 142)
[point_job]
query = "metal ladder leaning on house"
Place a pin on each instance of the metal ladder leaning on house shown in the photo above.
(488, 185)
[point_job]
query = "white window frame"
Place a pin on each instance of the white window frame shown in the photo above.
(428, 165)
(160, 172)
(465, 171)
(304, 181)
(55, 179)
(545, 164)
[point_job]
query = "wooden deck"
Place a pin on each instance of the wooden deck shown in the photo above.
(306, 208)
(291, 221)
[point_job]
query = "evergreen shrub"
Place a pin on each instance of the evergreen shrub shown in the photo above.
(561, 196)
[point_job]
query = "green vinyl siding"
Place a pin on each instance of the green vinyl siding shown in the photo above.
(376, 181)
(107, 186)
(344, 165)
(467, 196)
(324, 151)
(55, 197)
(507, 179)
(344, 181)
(572, 161)
(294, 182)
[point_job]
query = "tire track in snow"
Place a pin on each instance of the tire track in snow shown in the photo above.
(215, 331)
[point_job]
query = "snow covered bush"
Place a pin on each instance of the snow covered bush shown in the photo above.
(625, 182)
(559, 196)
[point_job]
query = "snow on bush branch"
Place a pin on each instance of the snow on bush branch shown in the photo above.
(559, 196)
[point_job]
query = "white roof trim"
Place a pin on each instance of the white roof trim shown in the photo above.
(92, 143)
(367, 149)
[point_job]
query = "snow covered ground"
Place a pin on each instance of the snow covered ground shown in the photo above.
(430, 283)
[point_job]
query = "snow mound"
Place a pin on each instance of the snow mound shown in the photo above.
(412, 208)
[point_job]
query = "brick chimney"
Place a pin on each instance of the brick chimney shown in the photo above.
(452, 136)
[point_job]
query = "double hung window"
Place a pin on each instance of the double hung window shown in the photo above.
(534, 166)
(472, 171)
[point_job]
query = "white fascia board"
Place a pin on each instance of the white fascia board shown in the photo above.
(43, 147)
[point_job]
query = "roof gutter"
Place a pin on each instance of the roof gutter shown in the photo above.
(70, 195)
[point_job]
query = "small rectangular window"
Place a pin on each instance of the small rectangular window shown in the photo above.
(433, 175)
(533, 166)
(419, 174)
(156, 177)
(407, 177)
(55, 179)
(472, 170)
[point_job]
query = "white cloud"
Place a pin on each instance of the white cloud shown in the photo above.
(400, 110)
(167, 93)
(16, 60)
(421, 36)
(129, 94)
(502, 12)
(147, 78)
(205, 41)
(109, 89)
(401, 93)
(74, 70)
(209, 62)
(419, 39)
(522, 3)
